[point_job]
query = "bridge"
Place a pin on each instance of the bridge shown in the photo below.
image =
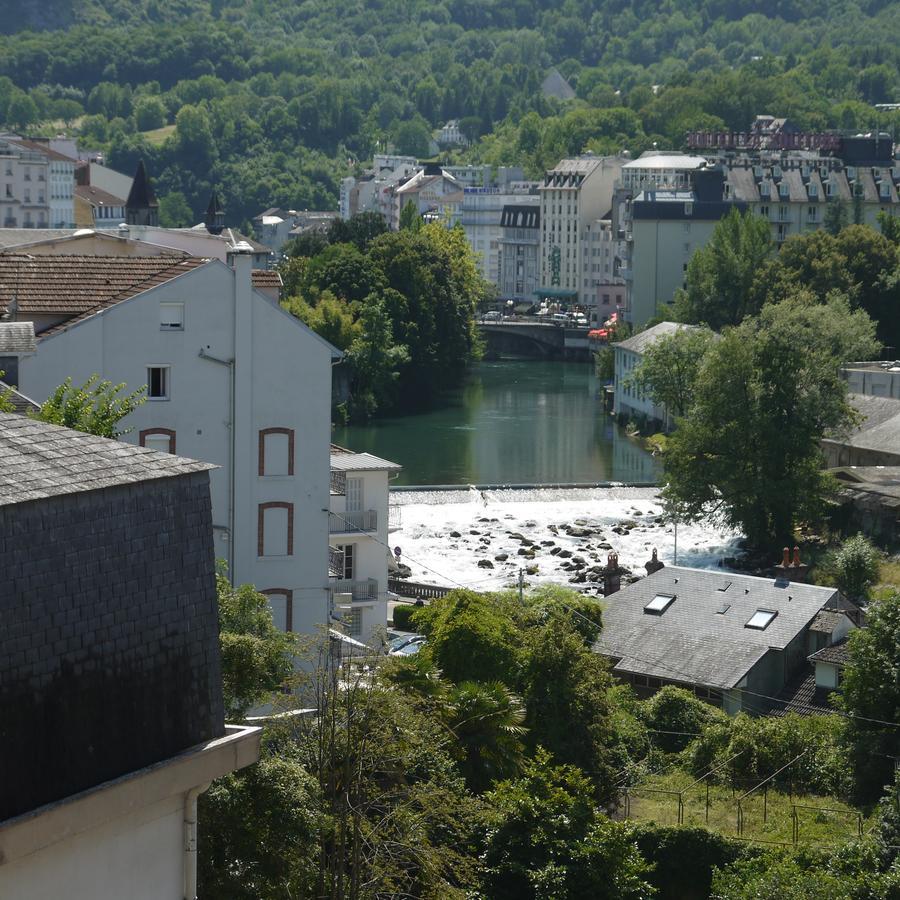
(533, 339)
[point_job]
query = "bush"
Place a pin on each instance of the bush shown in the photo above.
(683, 859)
(674, 710)
(854, 568)
(403, 615)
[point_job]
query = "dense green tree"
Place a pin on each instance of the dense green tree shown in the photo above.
(174, 211)
(872, 695)
(149, 113)
(854, 567)
(257, 657)
(675, 716)
(719, 281)
(548, 840)
(669, 367)
(96, 407)
(748, 453)
(410, 220)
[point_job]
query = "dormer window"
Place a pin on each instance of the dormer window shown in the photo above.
(659, 604)
(761, 619)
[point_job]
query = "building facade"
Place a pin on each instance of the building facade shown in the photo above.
(24, 186)
(220, 362)
(110, 641)
(519, 246)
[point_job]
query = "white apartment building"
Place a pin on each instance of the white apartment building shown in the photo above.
(24, 186)
(429, 190)
(359, 526)
(221, 363)
(519, 252)
(574, 193)
(60, 183)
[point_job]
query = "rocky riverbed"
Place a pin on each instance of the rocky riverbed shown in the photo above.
(481, 539)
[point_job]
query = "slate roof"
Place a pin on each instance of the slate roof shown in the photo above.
(43, 148)
(638, 343)
(17, 337)
(836, 655)
(21, 403)
(141, 196)
(72, 285)
(826, 621)
(801, 697)
(880, 429)
(692, 643)
(343, 460)
(97, 197)
(41, 460)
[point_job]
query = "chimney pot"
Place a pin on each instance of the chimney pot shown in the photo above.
(786, 557)
(797, 556)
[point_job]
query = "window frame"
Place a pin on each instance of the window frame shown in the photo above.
(288, 595)
(771, 615)
(261, 529)
(261, 462)
(659, 604)
(167, 382)
(171, 303)
(148, 432)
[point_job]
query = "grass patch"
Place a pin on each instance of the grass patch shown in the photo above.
(889, 575)
(765, 818)
(158, 135)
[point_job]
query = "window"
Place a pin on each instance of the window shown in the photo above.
(659, 604)
(276, 451)
(761, 619)
(349, 561)
(723, 608)
(355, 495)
(171, 316)
(157, 382)
(281, 602)
(353, 619)
(724, 586)
(275, 529)
(162, 439)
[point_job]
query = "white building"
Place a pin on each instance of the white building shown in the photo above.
(574, 193)
(24, 181)
(359, 525)
(628, 401)
(519, 252)
(428, 190)
(60, 183)
(222, 364)
(876, 379)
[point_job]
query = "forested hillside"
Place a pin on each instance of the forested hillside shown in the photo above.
(276, 100)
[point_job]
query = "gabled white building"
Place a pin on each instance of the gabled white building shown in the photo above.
(359, 525)
(231, 379)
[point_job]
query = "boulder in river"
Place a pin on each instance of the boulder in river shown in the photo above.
(455, 534)
(502, 557)
(485, 564)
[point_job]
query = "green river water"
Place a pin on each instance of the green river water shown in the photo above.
(512, 422)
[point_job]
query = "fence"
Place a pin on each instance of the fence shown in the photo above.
(416, 591)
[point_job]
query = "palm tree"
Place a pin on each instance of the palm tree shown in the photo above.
(486, 719)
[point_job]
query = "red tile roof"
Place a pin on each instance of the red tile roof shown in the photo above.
(266, 278)
(73, 285)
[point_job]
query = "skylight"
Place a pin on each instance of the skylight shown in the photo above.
(761, 619)
(724, 587)
(723, 608)
(659, 604)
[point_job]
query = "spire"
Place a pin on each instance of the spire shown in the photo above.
(142, 207)
(215, 214)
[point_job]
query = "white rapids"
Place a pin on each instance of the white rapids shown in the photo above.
(486, 519)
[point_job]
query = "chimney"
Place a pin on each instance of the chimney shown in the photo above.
(653, 564)
(612, 575)
(791, 570)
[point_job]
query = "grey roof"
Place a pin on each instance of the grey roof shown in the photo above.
(836, 655)
(880, 429)
(554, 85)
(690, 642)
(638, 343)
(347, 461)
(17, 337)
(15, 237)
(38, 460)
(826, 621)
(21, 403)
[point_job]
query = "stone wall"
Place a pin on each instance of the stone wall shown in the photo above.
(109, 654)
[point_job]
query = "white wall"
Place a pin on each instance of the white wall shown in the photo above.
(282, 380)
(139, 856)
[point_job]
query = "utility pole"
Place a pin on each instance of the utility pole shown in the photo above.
(675, 562)
(521, 585)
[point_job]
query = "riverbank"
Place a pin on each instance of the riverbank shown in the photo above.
(482, 538)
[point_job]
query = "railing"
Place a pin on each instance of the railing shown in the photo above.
(360, 590)
(335, 561)
(395, 516)
(347, 522)
(338, 482)
(416, 591)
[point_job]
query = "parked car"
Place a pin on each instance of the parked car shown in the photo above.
(410, 648)
(492, 316)
(400, 644)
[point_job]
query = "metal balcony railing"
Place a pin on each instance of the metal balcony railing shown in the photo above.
(335, 561)
(395, 516)
(338, 482)
(348, 522)
(366, 589)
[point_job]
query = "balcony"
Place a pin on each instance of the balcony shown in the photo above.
(359, 590)
(335, 562)
(350, 522)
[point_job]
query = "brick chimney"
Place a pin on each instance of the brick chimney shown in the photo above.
(612, 575)
(653, 564)
(791, 569)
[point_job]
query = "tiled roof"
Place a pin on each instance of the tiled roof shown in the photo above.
(43, 148)
(266, 278)
(97, 197)
(836, 655)
(691, 641)
(17, 337)
(41, 460)
(21, 403)
(73, 285)
(347, 461)
(880, 429)
(800, 696)
(639, 342)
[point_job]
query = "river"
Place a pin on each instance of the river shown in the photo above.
(511, 423)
